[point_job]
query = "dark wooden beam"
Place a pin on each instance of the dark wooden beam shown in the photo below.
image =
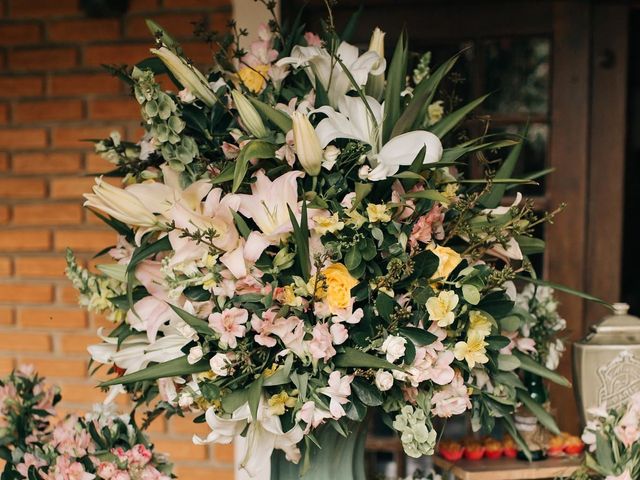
(569, 154)
(608, 151)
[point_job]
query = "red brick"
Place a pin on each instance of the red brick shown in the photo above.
(84, 30)
(80, 136)
(47, 110)
(71, 187)
(20, 33)
(115, 109)
(83, 240)
(181, 450)
(21, 86)
(185, 426)
(23, 138)
(180, 25)
(52, 318)
(6, 316)
(5, 214)
(6, 365)
(38, 267)
(94, 163)
(85, 83)
(25, 342)
(56, 367)
(224, 453)
(5, 267)
(4, 162)
(42, 8)
(4, 114)
(51, 58)
(67, 295)
(26, 293)
(24, 240)
(205, 471)
(77, 343)
(46, 162)
(129, 54)
(143, 5)
(82, 393)
(204, 4)
(199, 53)
(22, 188)
(47, 214)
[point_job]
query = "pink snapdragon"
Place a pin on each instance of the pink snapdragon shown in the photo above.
(321, 346)
(523, 344)
(312, 415)
(428, 227)
(66, 469)
(431, 365)
(312, 39)
(29, 460)
(230, 325)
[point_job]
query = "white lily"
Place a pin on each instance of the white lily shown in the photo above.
(355, 121)
(121, 204)
(319, 65)
(263, 436)
(269, 203)
(136, 352)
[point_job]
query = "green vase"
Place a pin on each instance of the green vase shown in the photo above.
(339, 458)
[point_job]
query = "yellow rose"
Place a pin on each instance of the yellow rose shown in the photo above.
(449, 260)
(338, 283)
(254, 78)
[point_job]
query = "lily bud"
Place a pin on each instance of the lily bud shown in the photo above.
(120, 204)
(250, 117)
(375, 83)
(190, 77)
(307, 144)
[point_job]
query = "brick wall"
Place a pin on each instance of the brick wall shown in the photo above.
(53, 93)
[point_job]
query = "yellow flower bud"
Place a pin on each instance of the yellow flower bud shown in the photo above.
(307, 144)
(190, 77)
(250, 117)
(375, 83)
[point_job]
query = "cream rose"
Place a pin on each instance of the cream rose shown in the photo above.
(394, 347)
(384, 380)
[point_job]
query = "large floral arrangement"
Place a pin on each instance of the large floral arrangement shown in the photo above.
(297, 244)
(613, 437)
(99, 445)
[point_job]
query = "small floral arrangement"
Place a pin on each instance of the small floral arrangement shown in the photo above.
(613, 440)
(291, 254)
(540, 324)
(99, 445)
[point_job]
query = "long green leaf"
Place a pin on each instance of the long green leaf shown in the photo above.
(395, 85)
(538, 410)
(254, 394)
(142, 253)
(454, 118)
(277, 117)
(530, 365)
(454, 153)
(351, 25)
(194, 322)
(172, 368)
(301, 238)
(422, 97)
(354, 358)
(532, 176)
(225, 175)
(428, 194)
(562, 288)
(254, 149)
(492, 198)
(515, 434)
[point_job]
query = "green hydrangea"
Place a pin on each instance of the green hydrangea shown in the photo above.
(417, 437)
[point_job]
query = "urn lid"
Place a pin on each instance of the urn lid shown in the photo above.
(618, 328)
